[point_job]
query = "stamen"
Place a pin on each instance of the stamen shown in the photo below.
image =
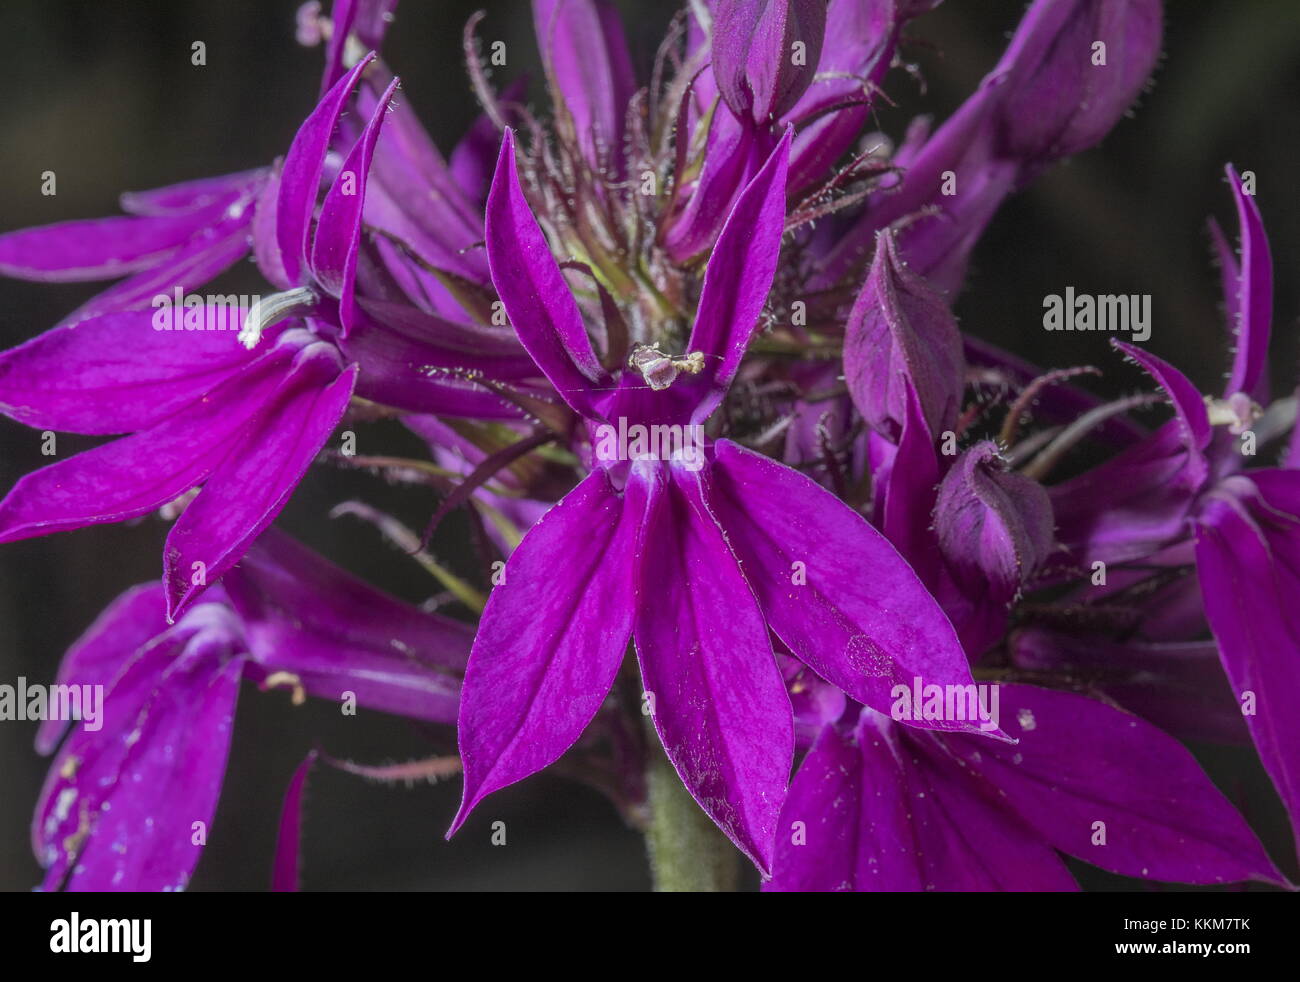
(1238, 412)
(659, 370)
(273, 309)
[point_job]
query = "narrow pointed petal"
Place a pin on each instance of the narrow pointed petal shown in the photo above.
(409, 172)
(437, 342)
(115, 373)
(551, 639)
(1131, 505)
(472, 160)
(719, 702)
(335, 634)
(144, 471)
(1189, 406)
(536, 297)
(395, 370)
(1248, 564)
(881, 812)
(1075, 767)
(338, 232)
(177, 199)
(1179, 686)
(300, 176)
(1250, 303)
(590, 72)
(901, 336)
(832, 587)
(730, 157)
(286, 876)
(98, 248)
(198, 262)
(249, 488)
(737, 280)
(126, 624)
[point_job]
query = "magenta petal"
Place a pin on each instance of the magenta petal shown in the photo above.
(281, 580)
(395, 371)
(301, 174)
(862, 620)
(146, 470)
(177, 199)
(738, 278)
(590, 72)
(901, 336)
(753, 53)
(731, 153)
(1179, 686)
(249, 488)
(968, 841)
(718, 700)
(115, 373)
(1130, 505)
(410, 174)
(128, 623)
(1248, 563)
(1075, 766)
(338, 231)
(884, 809)
(126, 808)
(98, 248)
(433, 342)
(200, 260)
(535, 294)
(551, 639)
(846, 824)
(1189, 406)
(910, 483)
(1250, 302)
(288, 840)
(336, 634)
(474, 157)
(266, 247)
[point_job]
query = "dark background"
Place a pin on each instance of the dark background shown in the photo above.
(104, 94)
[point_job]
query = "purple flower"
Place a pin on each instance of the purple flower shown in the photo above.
(879, 806)
(1188, 483)
(686, 355)
(201, 410)
(128, 805)
(695, 561)
(175, 237)
(1053, 93)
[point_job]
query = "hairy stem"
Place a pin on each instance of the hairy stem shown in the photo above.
(687, 852)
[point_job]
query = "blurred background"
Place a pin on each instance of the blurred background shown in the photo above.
(105, 96)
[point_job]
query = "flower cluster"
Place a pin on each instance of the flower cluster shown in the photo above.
(683, 349)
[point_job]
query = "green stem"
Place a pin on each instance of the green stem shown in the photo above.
(687, 852)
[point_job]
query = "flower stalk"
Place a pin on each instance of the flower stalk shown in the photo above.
(687, 852)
